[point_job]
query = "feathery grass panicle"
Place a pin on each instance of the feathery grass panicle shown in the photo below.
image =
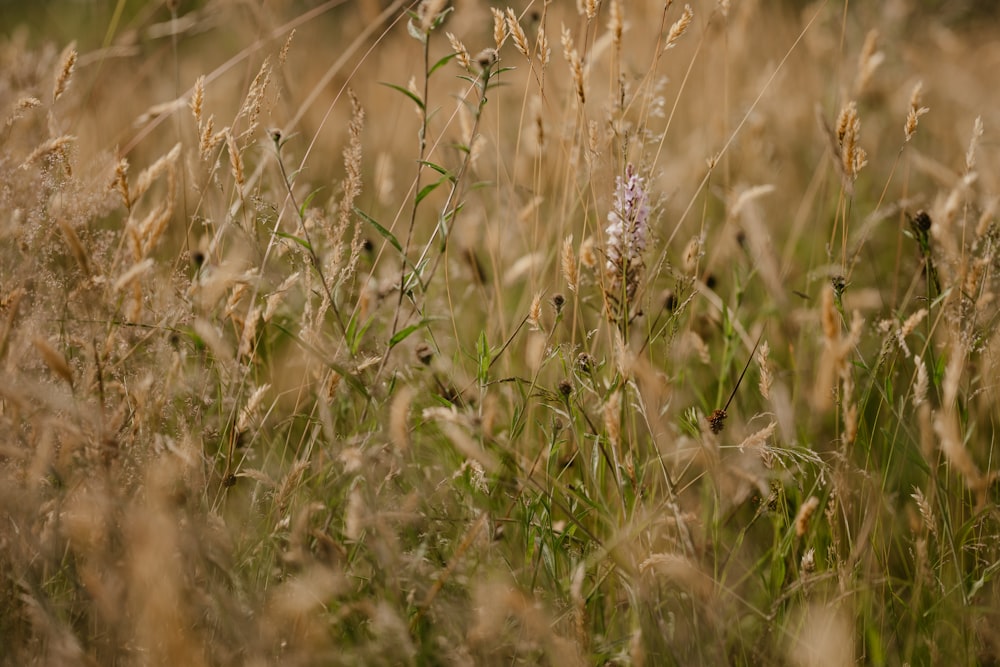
(54, 359)
(253, 103)
(806, 510)
(517, 33)
(616, 22)
(535, 312)
(765, 382)
(65, 73)
(150, 174)
(22, 105)
(500, 27)
(570, 270)
(970, 154)
(869, 61)
(915, 111)
(351, 191)
(572, 57)
(461, 53)
(542, 48)
(198, 99)
(121, 182)
(235, 162)
(852, 157)
(679, 27)
(283, 54)
(922, 382)
(57, 147)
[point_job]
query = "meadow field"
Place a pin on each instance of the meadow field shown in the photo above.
(431, 332)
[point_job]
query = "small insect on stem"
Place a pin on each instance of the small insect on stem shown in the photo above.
(717, 420)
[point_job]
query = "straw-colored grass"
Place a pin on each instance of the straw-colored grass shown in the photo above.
(561, 333)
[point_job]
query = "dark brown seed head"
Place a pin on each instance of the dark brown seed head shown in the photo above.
(424, 353)
(921, 221)
(565, 387)
(717, 421)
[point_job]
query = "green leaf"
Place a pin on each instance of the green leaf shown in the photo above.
(429, 188)
(402, 334)
(386, 234)
(307, 201)
(406, 91)
(439, 169)
(441, 63)
(483, 356)
(355, 332)
(292, 237)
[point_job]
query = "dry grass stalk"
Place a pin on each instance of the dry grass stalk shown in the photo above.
(926, 511)
(57, 147)
(121, 182)
(616, 22)
(915, 111)
(12, 302)
(970, 154)
(283, 54)
(399, 432)
(499, 27)
(579, 604)
(825, 637)
(575, 64)
(254, 101)
(682, 571)
(65, 72)
(806, 510)
(535, 312)
(515, 31)
(921, 383)
(679, 27)
(852, 157)
(764, 384)
(570, 271)
(758, 439)
(588, 253)
(461, 53)
(208, 139)
(868, 61)
(75, 246)
(198, 99)
(692, 254)
(22, 105)
(248, 338)
(149, 175)
(54, 359)
(275, 298)
(135, 272)
(456, 428)
(542, 47)
(849, 407)
(236, 162)
(351, 191)
(250, 410)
